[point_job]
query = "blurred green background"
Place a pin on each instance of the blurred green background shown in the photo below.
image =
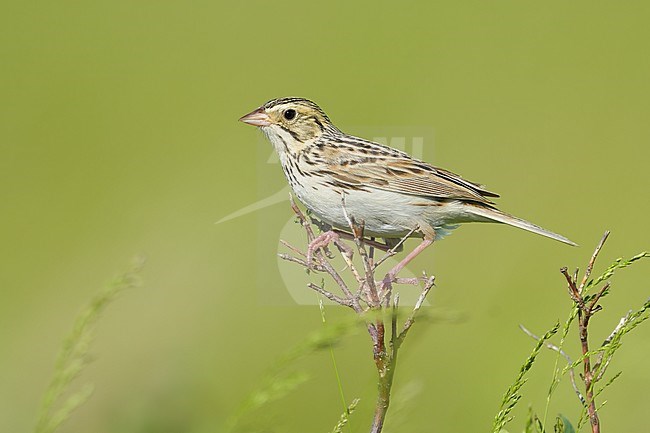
(119, 136)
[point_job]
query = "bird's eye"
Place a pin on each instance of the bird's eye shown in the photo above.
(289, 114)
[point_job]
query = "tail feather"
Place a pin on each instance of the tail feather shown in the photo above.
(502, 217)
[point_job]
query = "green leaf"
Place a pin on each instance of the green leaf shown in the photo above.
(563, 425)
(618, 264)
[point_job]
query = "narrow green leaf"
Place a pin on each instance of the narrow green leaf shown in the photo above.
(564, 425)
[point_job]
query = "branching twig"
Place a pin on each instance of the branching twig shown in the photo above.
(354, 302)
(330, 296)
(587, 306)
(375, 294)
(418, 304)
(301, 262)
(594, 256)
(390, 253)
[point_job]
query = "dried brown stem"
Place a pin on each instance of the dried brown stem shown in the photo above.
(330, 296)
(301, 262)
(292, 248)
(588, 374)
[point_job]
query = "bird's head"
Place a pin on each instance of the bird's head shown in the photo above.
(291, 122)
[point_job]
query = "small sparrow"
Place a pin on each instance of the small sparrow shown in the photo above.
(338, 176)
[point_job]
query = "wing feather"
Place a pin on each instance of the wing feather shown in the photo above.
(408, 176)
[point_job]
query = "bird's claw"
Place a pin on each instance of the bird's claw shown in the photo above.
(322, 241)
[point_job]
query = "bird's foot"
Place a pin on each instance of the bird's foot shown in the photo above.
(322, 241)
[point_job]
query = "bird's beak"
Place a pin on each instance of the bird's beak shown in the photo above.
(257, 118)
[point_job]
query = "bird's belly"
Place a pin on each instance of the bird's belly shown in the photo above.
(383, 213)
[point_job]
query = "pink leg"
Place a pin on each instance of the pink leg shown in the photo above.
(321, 241)
(393, 272)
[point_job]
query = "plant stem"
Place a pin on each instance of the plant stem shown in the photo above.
(371, 297)
(386, 356)
(585, 311)
(583, 321)
(383, 398)
(385, 367)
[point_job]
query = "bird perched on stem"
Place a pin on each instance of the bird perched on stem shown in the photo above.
(338, 176)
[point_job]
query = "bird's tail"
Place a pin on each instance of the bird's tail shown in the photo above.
(496, 215)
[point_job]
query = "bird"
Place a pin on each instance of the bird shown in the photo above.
(340, 177)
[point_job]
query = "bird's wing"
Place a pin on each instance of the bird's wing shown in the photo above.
(358, 163)
(407, 176)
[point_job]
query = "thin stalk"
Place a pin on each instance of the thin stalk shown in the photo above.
(336, 369)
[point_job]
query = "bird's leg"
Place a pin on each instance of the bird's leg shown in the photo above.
(334, 236)
(390, 276)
